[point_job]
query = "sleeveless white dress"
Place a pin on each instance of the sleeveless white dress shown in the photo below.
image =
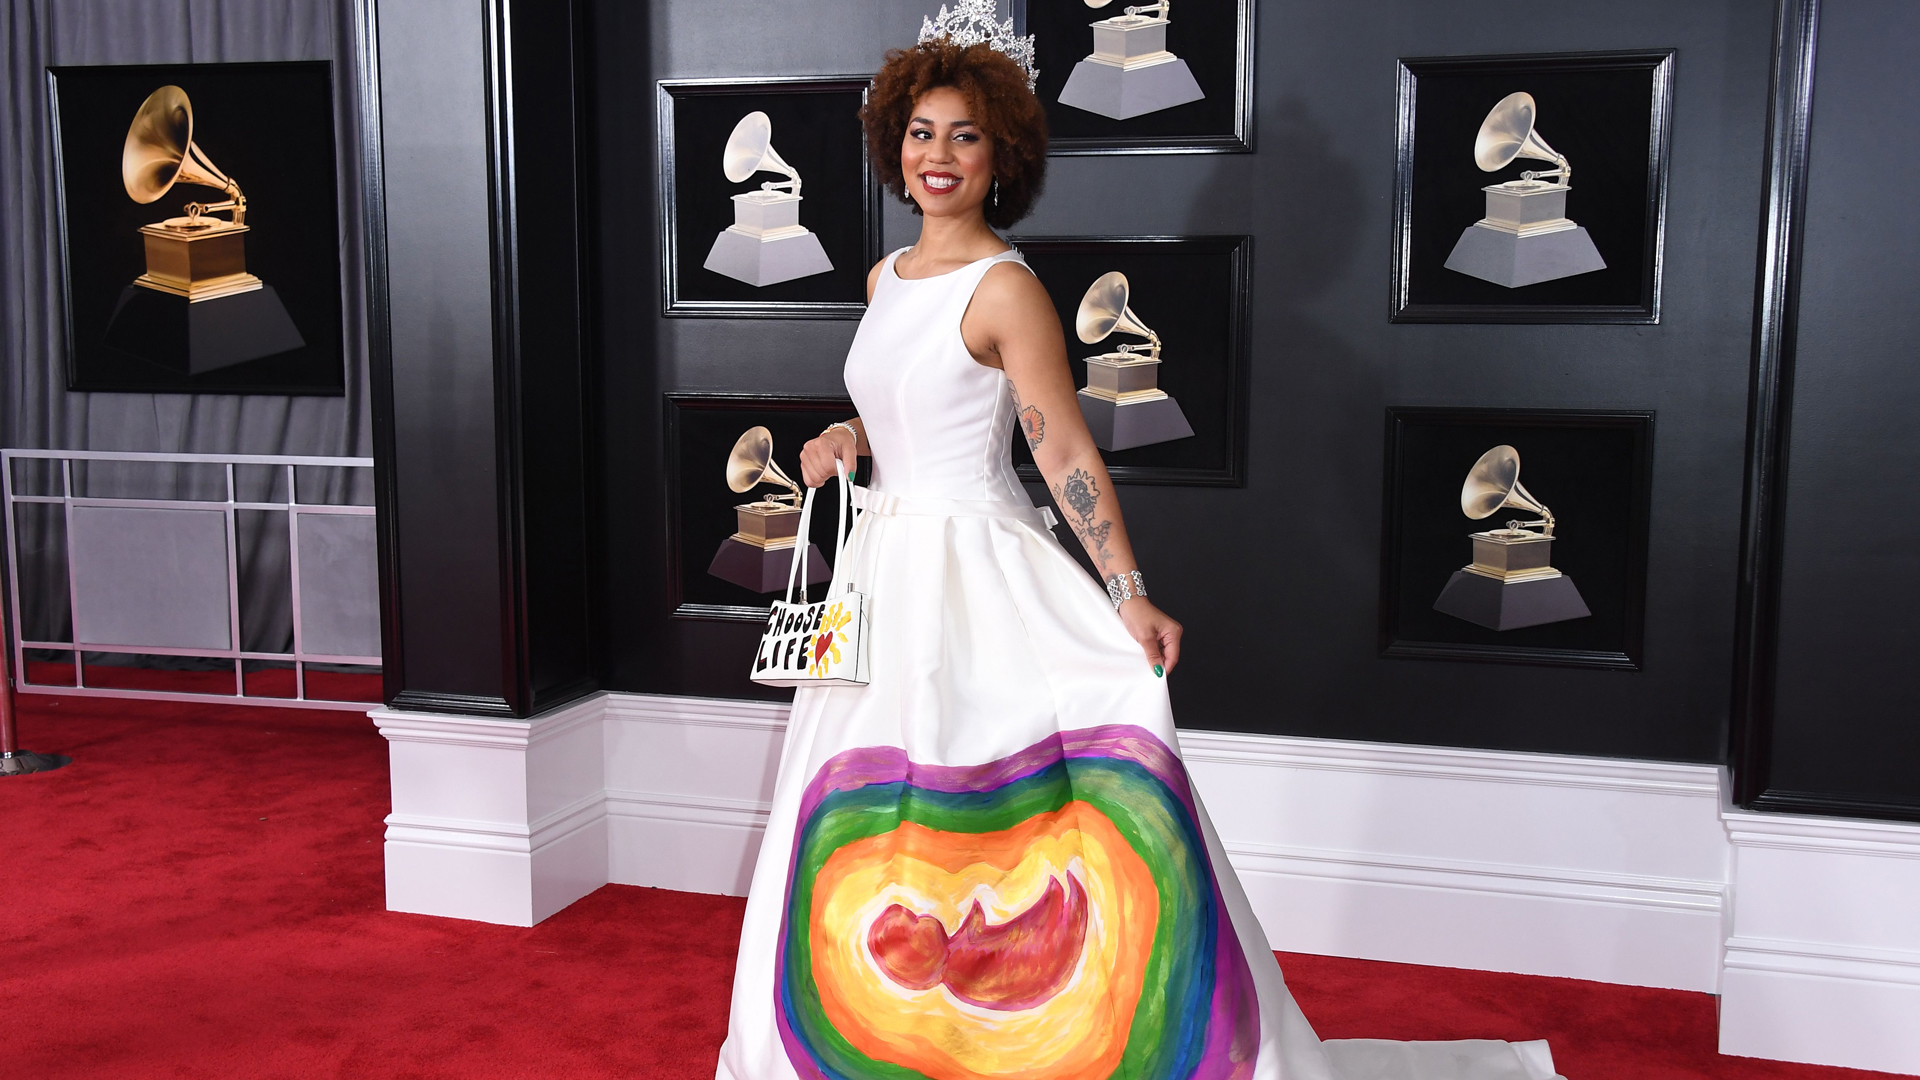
(988, 863)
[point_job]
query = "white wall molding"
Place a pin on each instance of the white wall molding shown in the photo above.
(1484, 877)
(499, 821)
(1495, 766)
(766, 716)
(1618, 871)
(1794, 832)
(689, 782)
(1590, 868)
(1823, 958)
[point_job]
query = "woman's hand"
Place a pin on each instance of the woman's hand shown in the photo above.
(1155, 630)
(818, 456)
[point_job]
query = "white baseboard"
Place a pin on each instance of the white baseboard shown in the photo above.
(1593, 868)
(688, 785)
(1586, 868)
(1823, 962)
(499, 821)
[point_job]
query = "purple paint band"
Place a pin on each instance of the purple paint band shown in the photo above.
(857, 768)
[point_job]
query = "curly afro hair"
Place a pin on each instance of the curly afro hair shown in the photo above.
(1003, 107)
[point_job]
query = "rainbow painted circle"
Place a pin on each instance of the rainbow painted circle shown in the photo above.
(1052, 915)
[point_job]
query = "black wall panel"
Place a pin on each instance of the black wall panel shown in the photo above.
(539, 236)
(1277, 582)
(444, 554)
(484, 465)
(1835, 727)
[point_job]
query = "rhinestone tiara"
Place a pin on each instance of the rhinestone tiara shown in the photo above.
(971, 22)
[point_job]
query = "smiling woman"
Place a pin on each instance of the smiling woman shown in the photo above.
(994, 90)
(988, 863)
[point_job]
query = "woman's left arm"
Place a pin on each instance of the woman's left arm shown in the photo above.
(1012, 325)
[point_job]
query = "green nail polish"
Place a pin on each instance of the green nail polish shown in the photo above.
(1159, 672)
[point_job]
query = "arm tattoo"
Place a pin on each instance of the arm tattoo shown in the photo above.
(1033, 423)
(1079, 496)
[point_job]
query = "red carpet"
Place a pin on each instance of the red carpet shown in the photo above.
(199, 895)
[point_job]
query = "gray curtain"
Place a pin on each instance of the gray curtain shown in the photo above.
(38, 411)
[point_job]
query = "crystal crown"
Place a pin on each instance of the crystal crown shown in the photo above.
(971, 22)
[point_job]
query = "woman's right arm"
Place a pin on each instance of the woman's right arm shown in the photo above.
(818, 456)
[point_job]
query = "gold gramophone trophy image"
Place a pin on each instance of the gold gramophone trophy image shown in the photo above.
(1511, 582)
(1130, 72)
(1122, 401)
(766, 243)
(196, 309)
(759, 554)
(1526, 237)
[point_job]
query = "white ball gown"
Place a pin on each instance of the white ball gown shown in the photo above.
(988, 863)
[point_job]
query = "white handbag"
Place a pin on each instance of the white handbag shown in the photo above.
(822, 643)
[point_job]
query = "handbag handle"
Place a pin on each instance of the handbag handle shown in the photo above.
(802, 543)
(843, 532)
(800, 547)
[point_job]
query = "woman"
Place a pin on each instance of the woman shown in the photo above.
(988, 862)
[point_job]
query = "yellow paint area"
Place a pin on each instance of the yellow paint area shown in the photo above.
(1078, 1034)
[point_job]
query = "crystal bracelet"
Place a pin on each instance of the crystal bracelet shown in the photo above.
(1124, 587)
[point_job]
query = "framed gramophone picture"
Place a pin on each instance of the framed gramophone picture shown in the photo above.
(767, 207)
(1516, 535)
(1531, 189)
(1144, 78)
(200, 213)
(1157, 331)
(734, 493)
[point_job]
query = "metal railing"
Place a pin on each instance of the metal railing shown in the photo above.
(69, 499)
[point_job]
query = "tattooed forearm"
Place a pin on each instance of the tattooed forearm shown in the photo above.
(1079, 496)
(1033, 423)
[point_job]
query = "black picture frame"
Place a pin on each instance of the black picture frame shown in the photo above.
(816, 127)
(1217, 41)
(1593, 468)
(1608, 112)
(700, 429)
(1193, 290)
(268, 125)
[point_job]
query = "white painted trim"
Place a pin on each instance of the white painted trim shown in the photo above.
(495, 820)
(452, 730)
(1797, 832)
(1900, 966)
(1498, 766)
(737, 813)
(704, 712)
(1502, 879)
(1823, 960)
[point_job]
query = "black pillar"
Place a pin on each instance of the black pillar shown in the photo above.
(480, 364)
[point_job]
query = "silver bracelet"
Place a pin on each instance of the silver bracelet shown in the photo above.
(851, 430)
(1124, 587)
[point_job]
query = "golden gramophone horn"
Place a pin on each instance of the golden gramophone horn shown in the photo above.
(750, 150)
(1508, 133)
(751, 463)
(1494, 482)
(160, 152)
(1104, 310)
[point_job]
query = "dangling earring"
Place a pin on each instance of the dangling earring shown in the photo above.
(996, 191)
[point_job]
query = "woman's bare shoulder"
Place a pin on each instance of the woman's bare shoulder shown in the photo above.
(1010, 290)
(1010, 308)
